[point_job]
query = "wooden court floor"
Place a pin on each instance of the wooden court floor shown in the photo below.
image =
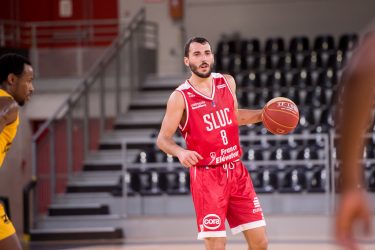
(233, 246)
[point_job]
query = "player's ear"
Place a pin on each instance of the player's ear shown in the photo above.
(11, 79)
(186, 61)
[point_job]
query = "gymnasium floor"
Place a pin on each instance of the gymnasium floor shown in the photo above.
(232, 245)
(284, 232)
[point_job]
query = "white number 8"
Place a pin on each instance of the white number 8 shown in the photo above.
(224, 137)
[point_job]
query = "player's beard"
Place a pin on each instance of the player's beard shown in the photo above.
(194, 69)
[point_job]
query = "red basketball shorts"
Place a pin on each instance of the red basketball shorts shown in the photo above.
(224, 192)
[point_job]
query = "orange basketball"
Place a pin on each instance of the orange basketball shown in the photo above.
(280, 115)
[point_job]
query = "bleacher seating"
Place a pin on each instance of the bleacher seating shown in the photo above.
(306, 71)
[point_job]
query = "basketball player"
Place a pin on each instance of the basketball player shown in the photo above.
(205, 110)
(357, 104)
(16, 75)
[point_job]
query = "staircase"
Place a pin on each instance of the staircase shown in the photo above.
(93, 206)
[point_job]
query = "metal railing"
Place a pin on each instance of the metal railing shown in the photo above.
(328, 196)
(64, 141)
(82, 37)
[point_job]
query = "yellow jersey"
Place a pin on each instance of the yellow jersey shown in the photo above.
(8, 133)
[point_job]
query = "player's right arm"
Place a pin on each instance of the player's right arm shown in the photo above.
(8, 111)
(173, 115)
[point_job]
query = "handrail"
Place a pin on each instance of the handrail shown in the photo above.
(56, 153)
(30, 186)
(92, 71)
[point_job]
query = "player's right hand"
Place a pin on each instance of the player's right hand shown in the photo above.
(189, 158)
(352, 209)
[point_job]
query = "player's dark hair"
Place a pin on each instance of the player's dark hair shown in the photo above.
(12, 63)
(200, 40)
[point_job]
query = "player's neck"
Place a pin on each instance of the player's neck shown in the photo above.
(2, 87)
(199, 82)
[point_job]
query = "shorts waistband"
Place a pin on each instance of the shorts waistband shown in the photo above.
(220, 165)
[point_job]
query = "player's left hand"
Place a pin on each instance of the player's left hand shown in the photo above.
(352, 209)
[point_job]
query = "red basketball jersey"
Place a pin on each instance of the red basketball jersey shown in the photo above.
(211, 126)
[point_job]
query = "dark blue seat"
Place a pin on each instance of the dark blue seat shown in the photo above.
(299, 44)
(316, 180)
(293, 179)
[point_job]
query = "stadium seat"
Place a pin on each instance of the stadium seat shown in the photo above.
(146, 156)
(299, 44)
(149, 182)
(371, 181)
(274, 45)
(265, 179)
(293, 179)
(175, 181)
(316, 180)
(324, 43)
(250, 46)
(347, 42)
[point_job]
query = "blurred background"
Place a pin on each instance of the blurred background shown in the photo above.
(84, 168)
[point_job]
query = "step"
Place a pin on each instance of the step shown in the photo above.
(138, 138)
(150, 100)
(76, 234)
(156, 83)
(77, 221)
(98, 166)
(89, 176)
(95, 186)
(77, 209)
(110, 158)
(114, 203)
(145, 119)
(142, 143)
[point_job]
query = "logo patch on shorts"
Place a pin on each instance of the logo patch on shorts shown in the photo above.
(211, 221)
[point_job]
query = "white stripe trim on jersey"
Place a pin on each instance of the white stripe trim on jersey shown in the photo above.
(187, 111)
(251, 225)
(204, 96)
(226, 82)
(216, 234)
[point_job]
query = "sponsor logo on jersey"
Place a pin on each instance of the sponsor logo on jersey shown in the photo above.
(221, 86)
(190, 94)
(198, 105)
(211, 221)
(226, 154)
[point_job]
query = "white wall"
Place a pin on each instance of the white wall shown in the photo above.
(170, 50)
(251, 18)
(269, 18)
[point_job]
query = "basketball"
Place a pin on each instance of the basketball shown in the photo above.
(280, 116)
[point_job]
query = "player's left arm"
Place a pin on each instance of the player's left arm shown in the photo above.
(8, 112)
(244, 116)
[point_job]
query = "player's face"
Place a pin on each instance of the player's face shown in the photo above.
(200, 59)
(23, 87)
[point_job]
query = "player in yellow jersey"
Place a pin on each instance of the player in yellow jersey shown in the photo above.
(16, 76)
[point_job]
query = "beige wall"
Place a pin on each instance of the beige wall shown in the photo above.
(285, 18)
(170, 52)
(251, 18)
